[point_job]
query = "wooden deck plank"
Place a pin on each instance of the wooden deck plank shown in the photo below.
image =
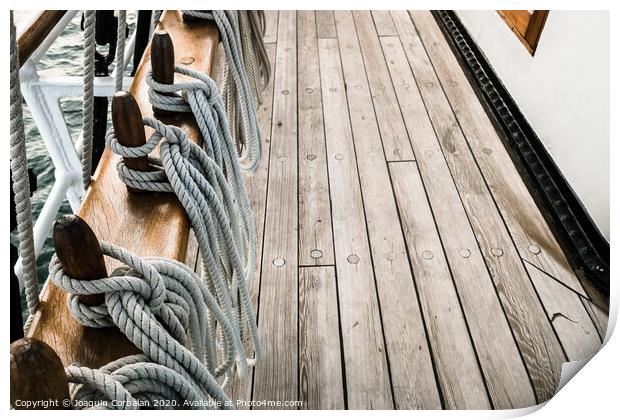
(506, 378)
(393, 131)
(148, 224)
(316, 245)
(271, 29)
(413, 379)
(275, 378)
(532, 235)
(598, 316)
(568, 315)
(320, 370)
(383, 23)
(455, 359)
(367, 379)
(524, 310)
(325, 25)
(256, 188)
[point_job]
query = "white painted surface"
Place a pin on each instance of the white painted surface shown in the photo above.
(563, 91)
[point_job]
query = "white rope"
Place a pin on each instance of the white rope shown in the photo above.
(89, 96)
(238, 96)
(220, 216)
(133, 382)
(21, 184)
(120, 48)
(199, 95)
(163, 308)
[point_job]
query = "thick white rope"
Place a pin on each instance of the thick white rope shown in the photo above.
(238, 95)
(219, 214)
(199, 95)
(163, 308)
(252, 29)
(133, 382)
(89, 96)
(120, 48)
(21, 184)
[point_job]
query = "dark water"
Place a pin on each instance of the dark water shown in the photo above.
(63, 58)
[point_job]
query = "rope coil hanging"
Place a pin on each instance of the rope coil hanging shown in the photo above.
(220, 216)
(238, 94)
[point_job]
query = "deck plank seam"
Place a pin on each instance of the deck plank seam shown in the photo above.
(331, 215)
(260, 263)
(519, 347)
(386, 356)
(472, 229)
(418, 294)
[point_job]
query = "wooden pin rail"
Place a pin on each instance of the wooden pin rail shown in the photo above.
(30, 36)
(147, 224)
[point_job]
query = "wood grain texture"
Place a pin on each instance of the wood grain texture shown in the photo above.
(413, 380)
(367, 378)
(37, 375)
(393, 131)
(30, 35)
(271, 23)
(383, 23)
(148, 224)
(256, 188)
(325, 24)
(275, 378)
(598, 316)
(568, 315)
(320, 370)
(316, 245)
(455, 359)
(525, 222)
(535, 337)
(506, 378)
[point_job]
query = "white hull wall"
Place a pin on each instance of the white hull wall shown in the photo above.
(563, 91)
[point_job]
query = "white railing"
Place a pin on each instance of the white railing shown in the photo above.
(42, 96)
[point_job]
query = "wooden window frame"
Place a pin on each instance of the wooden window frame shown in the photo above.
(527, 25)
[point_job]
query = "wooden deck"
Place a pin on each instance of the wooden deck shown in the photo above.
(402, 261)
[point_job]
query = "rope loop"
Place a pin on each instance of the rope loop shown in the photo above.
(164, 309)
(219, 212)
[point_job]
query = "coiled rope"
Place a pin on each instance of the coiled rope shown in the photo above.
(163, 308)
(238, 95)
(21, 183)
(132, 382)
(220, 215)
(200, 96)
(252, 26)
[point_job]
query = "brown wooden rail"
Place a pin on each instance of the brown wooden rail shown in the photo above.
(147, 224)
(30, 36)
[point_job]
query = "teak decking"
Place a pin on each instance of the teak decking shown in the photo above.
(403, 262)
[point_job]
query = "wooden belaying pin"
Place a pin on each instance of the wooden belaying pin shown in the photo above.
(162, 64)
(129, 129)
(79, 252)
(38, 378)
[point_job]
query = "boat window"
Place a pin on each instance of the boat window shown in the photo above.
(526, 24)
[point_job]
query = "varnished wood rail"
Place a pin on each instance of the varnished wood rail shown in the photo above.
(30, 36)
(147, 224)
